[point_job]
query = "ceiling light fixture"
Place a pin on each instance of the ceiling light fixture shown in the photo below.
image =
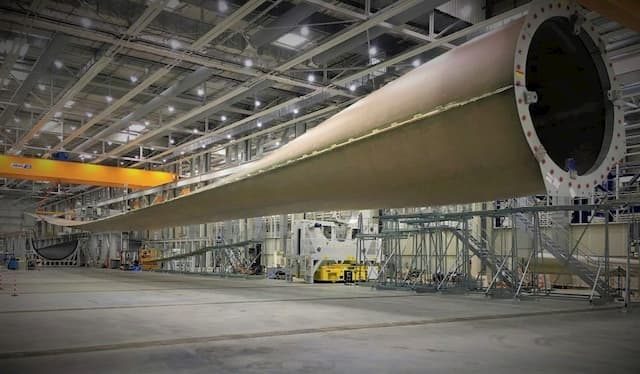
(223, 118)
(136, 127)
(257, 103)
(304, 30)
(174, 44)
(200, 91)
(296, 111)
(291, 41)
(89, 114)
(108, 98)
(416, 63)
(85, 22)
(352, 87)
(58, 64)
(311, 78)
(248, 63)
(133, 79)
(222, 6)
(373, 51)
(259, 124)
(171, 109)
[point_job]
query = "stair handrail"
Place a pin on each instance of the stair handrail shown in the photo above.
(495, 276)
(548, 243)
(595, 283)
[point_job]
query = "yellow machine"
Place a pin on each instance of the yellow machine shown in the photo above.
(339, 271)
(146, 256)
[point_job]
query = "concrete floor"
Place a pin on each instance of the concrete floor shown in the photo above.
(100, 321)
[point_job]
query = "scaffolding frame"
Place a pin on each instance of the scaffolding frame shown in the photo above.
(415, 245)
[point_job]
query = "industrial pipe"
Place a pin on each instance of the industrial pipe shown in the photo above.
(526, 109)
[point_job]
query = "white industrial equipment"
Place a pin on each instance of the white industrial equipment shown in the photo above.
(315, 243)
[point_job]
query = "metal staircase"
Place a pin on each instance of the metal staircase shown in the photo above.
(580, 263)
(234, 261)
(496, 262)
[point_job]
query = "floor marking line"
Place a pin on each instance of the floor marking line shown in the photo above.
(256, 301)
(155, 289)
(268, 334)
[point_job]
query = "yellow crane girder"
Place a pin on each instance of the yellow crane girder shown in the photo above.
(80, 173)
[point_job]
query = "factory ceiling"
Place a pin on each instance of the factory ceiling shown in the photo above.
(139, 83)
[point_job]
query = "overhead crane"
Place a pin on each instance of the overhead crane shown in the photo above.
(27, 168)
